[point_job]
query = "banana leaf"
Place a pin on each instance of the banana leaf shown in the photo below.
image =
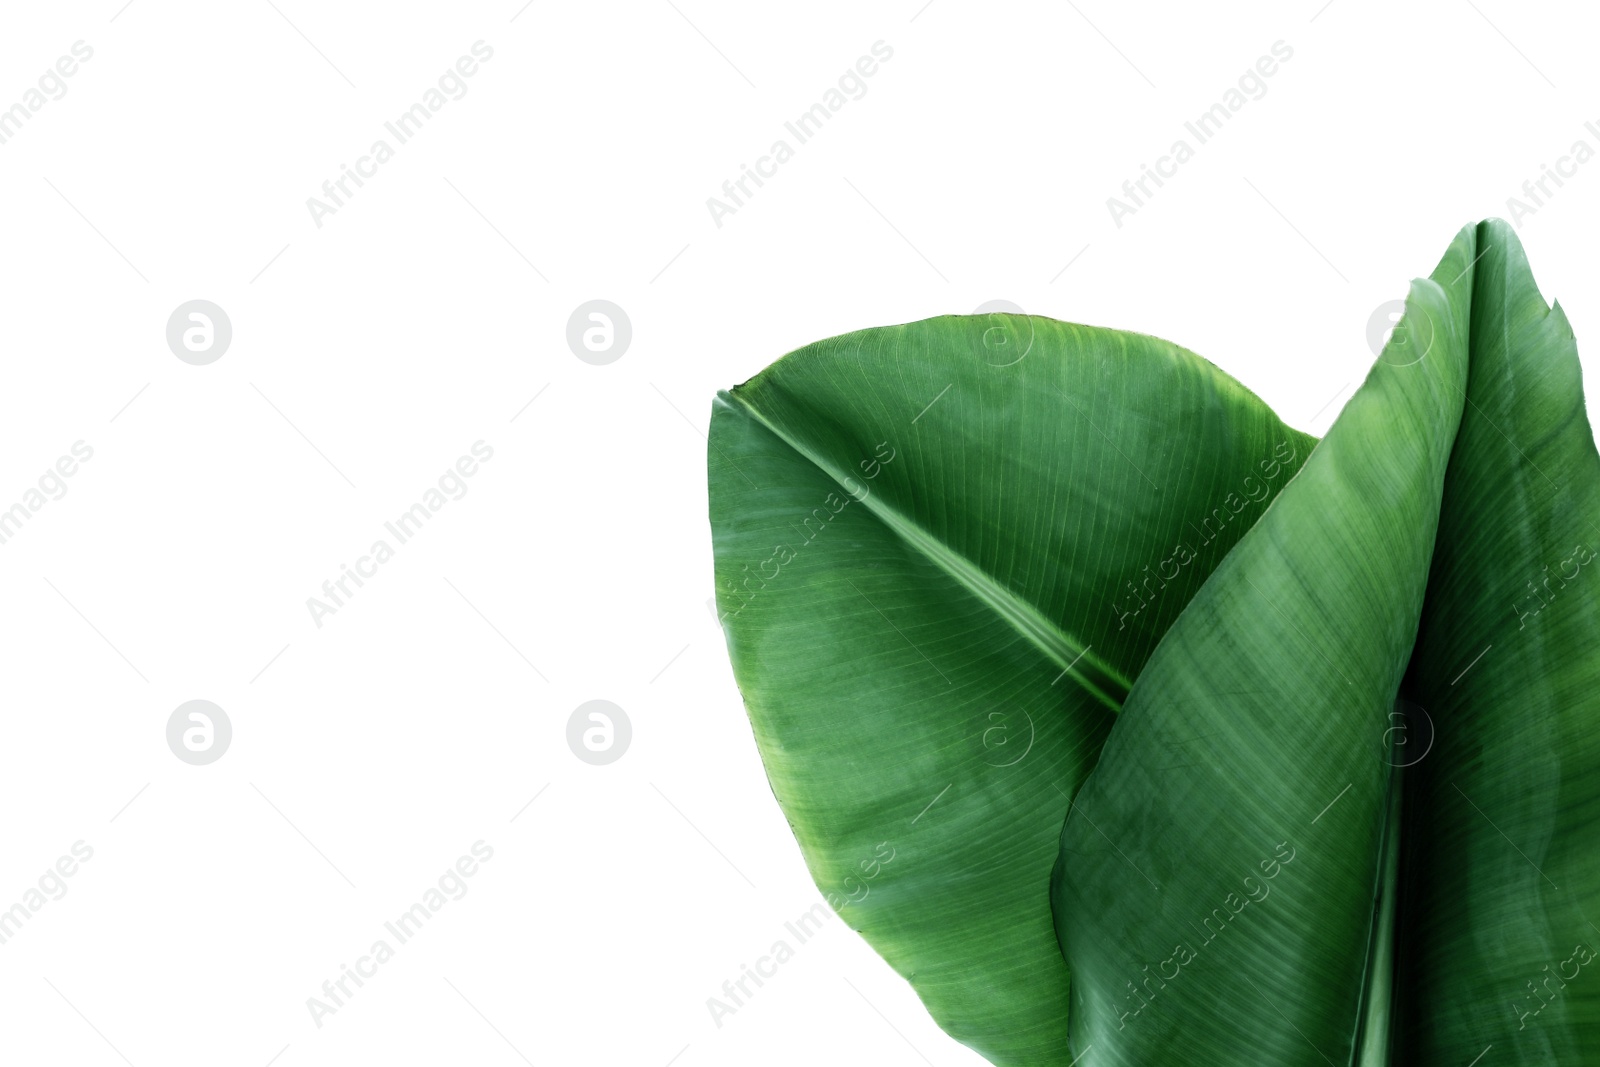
(944, 550)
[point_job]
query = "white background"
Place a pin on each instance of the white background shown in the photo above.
(368, 354)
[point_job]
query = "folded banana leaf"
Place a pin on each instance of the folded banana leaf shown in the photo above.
(1133, 726)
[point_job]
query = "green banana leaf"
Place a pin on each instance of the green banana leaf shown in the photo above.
(943, 552)
(1274, 861)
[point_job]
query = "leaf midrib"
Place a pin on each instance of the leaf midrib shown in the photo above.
(1068, 652)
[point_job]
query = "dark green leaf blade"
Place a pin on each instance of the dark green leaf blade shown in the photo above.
(1249, 777)
(1501, 880)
